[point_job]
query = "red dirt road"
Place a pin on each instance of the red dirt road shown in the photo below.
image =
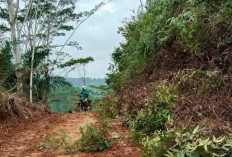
(20, 139)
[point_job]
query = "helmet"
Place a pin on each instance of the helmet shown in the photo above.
(83, 87)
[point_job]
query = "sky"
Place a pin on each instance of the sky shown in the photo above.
(98, 35)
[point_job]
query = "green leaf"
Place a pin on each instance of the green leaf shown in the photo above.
(196, 130)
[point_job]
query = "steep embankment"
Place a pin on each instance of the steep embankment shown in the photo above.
(173, 73)
(22, 138)
(178, 56)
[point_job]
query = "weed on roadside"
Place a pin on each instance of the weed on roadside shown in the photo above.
(55, 139)
(92, 139)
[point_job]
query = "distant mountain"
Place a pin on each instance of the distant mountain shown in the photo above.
(78, 82)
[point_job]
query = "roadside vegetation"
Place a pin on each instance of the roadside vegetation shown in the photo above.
(94, 137)
(172, 78)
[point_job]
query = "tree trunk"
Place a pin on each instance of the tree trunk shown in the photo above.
(84, 71)
(16, 47)
(33, 54)
(47, 77)
(32, 67)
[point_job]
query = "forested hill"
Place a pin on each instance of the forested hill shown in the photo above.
(78, 82)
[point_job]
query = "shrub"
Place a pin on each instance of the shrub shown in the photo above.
(136, 136)
(109, 107)
(50, 141)
(93, 139)
(166, 94)
(151, 118)
(55, 140)
(197, 81)
(187, 143)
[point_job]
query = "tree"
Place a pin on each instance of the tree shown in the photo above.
(77, 63)
(16, 30)
(37, 23)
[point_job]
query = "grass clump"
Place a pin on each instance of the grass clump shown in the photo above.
(92, 139)
(50, 141)
(55, 139)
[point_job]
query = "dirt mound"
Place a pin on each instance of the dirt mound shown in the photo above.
(12, 106)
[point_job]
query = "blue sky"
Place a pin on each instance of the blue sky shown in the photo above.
(98, 35)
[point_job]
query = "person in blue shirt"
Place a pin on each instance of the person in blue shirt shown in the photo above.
(85, 94)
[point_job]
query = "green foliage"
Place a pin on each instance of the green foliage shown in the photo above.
(197, 81)
(195, 30)
(109, 107)
(151, 118)
(98, 93)
(136, 136)
(114, 80)
(7, 72)
(41, 84)
(61, 99)
(170, 27)
(189, 143)
(79, 61)
(143, 37)
(167, 95)
(158, 144)
(40, 56)
(92, 139)
(55, 139)
(59, 82)
(50, 141)
(51, 20)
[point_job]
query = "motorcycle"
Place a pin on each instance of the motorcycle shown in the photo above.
(82, 105)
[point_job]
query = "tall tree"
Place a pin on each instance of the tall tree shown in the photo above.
(15, 37)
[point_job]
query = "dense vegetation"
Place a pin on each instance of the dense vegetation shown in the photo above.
(173, 75)
(29, 54)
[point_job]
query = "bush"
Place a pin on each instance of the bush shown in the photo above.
(198, 81)
(93, 139)
(109, 107)
(165, 95)
(151, 118)
(55, 140)
(187, 143)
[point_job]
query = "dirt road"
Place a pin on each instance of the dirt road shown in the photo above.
(20, 139)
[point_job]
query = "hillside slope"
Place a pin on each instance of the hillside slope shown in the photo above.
(173, 73)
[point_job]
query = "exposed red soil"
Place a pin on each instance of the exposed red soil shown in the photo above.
(20, 138)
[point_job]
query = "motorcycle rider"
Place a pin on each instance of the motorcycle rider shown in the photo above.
(85, 94)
